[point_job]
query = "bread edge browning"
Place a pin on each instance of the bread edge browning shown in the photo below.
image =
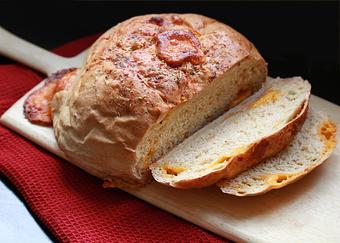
(293, 177)
(255, 153)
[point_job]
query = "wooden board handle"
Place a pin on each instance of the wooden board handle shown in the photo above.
(31, 55)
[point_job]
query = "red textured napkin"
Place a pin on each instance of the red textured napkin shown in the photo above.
(70, 203)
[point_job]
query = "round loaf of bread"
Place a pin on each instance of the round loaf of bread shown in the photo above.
(146, 85)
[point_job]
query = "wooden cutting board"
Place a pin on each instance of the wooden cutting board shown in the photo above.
(306, 211)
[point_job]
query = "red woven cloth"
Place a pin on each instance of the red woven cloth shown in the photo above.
(69, 202)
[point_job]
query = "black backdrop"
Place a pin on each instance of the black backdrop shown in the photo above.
(295, 38)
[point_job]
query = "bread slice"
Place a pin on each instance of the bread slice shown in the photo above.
(258, 128)
(311, 146)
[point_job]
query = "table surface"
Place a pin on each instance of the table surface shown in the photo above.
(17, 224)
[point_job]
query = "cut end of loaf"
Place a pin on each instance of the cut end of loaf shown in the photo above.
(311, 147)
(225, 92)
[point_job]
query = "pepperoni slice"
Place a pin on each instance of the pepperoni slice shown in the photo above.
(156, 20)
(176, 47)
(37, 106)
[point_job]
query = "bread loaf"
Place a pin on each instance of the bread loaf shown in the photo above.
(242, 137)
(147, 84)
(311, 146)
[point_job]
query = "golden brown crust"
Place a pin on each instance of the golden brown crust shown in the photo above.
(133, 77)
(254, 154)
(141, 83)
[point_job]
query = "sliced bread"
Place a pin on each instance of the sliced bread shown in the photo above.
(146, 85)
(311, 146)
(258, 128)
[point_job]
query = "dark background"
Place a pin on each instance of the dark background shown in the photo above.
(295, 38)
